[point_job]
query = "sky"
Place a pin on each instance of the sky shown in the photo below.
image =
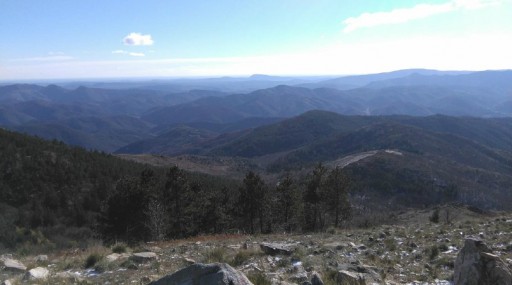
(67, 39)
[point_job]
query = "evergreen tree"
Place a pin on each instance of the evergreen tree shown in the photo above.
(335, 195)
(251, 200)
(176, 186)
(288, 204)
(312, 212)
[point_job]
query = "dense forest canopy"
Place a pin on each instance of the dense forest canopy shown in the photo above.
(58, 192)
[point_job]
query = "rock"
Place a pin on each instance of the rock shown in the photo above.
(142, 257)
(14, 265)
(476, 265)
(276, 248)
(316, 279)
(189, 260)
(350, 278)
(6, 256)
(6, 282)
(37, 273)
(357, 273)
(41, 258)
(112, 257)
(115, 256)
(299, 274)
(205, 274)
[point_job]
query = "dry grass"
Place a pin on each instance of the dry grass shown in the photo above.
(413, 249)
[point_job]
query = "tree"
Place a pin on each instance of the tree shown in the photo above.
(123, 215)
(312, 214)
(156, 219)
(251, 199)
(176, 186)
(335, 195)
(288, 203)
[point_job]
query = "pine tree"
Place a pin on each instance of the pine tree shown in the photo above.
(335, 195)
(312, 213)
(176, 186)
(251, 200)
(288, 204)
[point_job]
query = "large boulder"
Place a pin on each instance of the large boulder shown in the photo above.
(37, 273)
(476, 265)
(14, 265)
(142, 257)
(205, 274)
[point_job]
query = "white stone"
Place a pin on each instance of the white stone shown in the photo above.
(14, 265)
(112, 257)
(37, 273)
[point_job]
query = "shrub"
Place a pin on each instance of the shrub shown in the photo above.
(390, 244)
(102, 265)
(241, 257)
(119, 248)
(92, 259)
(258, 278)
(216, 255)
(434, 218)
(433, 252)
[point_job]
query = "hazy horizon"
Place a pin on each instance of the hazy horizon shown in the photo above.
(95, 40)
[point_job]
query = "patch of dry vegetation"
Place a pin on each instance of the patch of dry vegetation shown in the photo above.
(415, 249)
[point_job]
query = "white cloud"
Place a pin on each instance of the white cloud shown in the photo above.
(419, 11)
(138, 39)
(120, 51)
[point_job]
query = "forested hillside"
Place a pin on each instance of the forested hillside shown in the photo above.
(54, 195)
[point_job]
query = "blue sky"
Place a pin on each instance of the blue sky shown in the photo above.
(109, 38)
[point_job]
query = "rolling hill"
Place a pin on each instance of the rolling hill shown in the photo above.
(48, 111)
(404, 157)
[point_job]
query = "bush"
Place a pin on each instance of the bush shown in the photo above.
(102, 266)
(434, 218)
(433, 252)
(390, 244)
(241, 257)
(92, 259)
(258, 278)
(119, 248)
(216, 255)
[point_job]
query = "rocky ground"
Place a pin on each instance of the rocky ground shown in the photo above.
(414, 250)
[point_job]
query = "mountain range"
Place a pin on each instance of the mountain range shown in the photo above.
(108, 119)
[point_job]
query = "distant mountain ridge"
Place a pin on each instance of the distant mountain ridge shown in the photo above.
(49, 110)
(355, 81)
